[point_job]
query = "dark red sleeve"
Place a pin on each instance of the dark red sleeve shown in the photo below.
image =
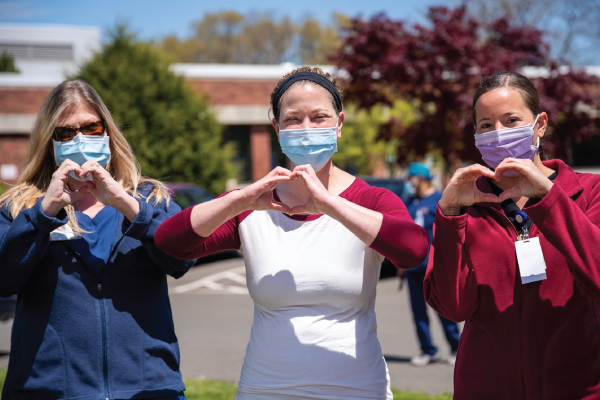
(177, 238)
(450, 285)
(573, 231)
(399, 240)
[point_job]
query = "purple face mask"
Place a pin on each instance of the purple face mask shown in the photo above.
(497, 145)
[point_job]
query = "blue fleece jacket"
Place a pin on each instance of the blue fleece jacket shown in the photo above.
(87, 333)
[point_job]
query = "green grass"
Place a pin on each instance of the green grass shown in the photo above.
(403, 395)
(201, 389)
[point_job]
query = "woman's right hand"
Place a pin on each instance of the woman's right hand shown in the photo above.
(58, 194)
(259, 195)
(462, 190)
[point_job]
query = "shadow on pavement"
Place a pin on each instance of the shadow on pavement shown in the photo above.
(222, 255)
(398, 359)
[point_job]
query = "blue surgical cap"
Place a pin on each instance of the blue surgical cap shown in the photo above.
(418, 169)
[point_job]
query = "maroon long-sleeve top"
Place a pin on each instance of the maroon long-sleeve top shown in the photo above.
(399, 239)
(535, 341)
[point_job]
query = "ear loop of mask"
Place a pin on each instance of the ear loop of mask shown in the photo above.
(533, 128)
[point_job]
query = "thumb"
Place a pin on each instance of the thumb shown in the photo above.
(510, 193)
(298, 209)
(481, 197)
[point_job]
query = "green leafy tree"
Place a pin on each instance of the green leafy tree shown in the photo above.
(174, 136)
(7, 63)
(362, 149)
(256, 38)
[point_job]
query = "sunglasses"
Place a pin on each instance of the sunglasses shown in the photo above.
(66, 133)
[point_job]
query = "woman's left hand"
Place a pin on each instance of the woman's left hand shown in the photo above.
(319, 195)
(532, 183)
(108, 191)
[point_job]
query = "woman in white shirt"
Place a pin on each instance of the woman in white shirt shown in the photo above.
(313, 239)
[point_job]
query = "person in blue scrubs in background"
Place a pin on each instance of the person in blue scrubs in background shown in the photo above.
(93, 318)
(422, 209)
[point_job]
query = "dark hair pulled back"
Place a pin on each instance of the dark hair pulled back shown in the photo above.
(512, 80)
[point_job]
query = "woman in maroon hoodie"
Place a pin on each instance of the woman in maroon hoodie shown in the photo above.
(516, 254)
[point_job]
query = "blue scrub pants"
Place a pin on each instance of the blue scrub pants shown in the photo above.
(419, 309)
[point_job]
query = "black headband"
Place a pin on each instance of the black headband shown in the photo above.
(306, 76)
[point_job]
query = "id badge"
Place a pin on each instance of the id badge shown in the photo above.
(531, 260)
(64, 233)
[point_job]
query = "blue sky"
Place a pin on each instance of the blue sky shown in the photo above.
(156, 18)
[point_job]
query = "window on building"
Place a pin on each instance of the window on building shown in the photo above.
(240, 136)
(38, 51)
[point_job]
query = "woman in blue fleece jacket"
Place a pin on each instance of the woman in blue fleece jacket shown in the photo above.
(93, 318)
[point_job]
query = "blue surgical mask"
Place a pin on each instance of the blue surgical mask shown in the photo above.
(81, 149)
(313, 146)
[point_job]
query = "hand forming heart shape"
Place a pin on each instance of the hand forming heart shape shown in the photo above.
(259, 195)
(463, 192)
(319, 195)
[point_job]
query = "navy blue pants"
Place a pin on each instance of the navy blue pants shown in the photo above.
(419, 310)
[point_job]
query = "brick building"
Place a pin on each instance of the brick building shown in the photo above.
(239, 95)
(44, 55)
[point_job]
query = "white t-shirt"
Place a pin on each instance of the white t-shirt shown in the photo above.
(313, 282)
(314, 333)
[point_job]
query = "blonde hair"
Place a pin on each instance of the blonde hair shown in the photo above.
(35, 178)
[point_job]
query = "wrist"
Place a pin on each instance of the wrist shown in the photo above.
(129, 207)
(330, 204)
(51, 208)
(119, 202)
(449, 210)
(547, 189)
(239, 201)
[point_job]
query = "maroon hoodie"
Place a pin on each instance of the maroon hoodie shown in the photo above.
(540, 340)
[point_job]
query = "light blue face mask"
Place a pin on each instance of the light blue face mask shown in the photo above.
(313, 146)
(81, 149)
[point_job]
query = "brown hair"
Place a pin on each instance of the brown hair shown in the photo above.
(315, 70)
(512, 80)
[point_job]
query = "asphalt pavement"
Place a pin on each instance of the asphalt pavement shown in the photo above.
(213, 315)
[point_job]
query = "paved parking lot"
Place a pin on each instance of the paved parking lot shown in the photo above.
(213, 315)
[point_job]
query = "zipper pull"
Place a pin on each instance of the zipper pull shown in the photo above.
(99, 291)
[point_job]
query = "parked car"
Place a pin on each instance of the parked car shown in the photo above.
(187, 195)
(396, 186)
(7, 307)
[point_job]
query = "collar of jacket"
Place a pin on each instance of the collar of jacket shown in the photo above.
(566, 178)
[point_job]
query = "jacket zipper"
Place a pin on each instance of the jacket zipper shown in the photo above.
(104, 345)
(520, 328)
(115, 243)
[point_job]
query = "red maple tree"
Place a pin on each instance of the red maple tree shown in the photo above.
(438, 67)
